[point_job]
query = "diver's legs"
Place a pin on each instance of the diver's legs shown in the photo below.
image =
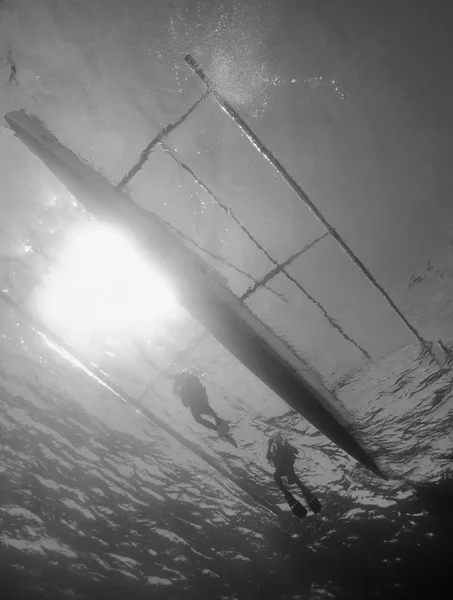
(294, 505)
(278, 480)
(210, 411)
(209, 425)
(199, 419)
(313, 502)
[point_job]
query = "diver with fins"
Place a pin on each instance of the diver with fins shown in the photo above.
(192, 393)
(283, 456)
(280, 453)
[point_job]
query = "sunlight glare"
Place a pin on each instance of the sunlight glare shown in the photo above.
(102, 284)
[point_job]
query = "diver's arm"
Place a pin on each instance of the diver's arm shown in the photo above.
(199, 419)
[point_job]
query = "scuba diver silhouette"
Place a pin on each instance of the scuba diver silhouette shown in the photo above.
(283, 456)
(194, 397)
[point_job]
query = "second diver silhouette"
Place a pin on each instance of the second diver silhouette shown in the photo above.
(194, 397)
(283, 456)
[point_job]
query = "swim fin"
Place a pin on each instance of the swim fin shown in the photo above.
(311, 499)
(315, 504)
(230, 439)
(294, 505)
(223, 430)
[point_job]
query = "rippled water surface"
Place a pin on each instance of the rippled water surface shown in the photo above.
(96, 501)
